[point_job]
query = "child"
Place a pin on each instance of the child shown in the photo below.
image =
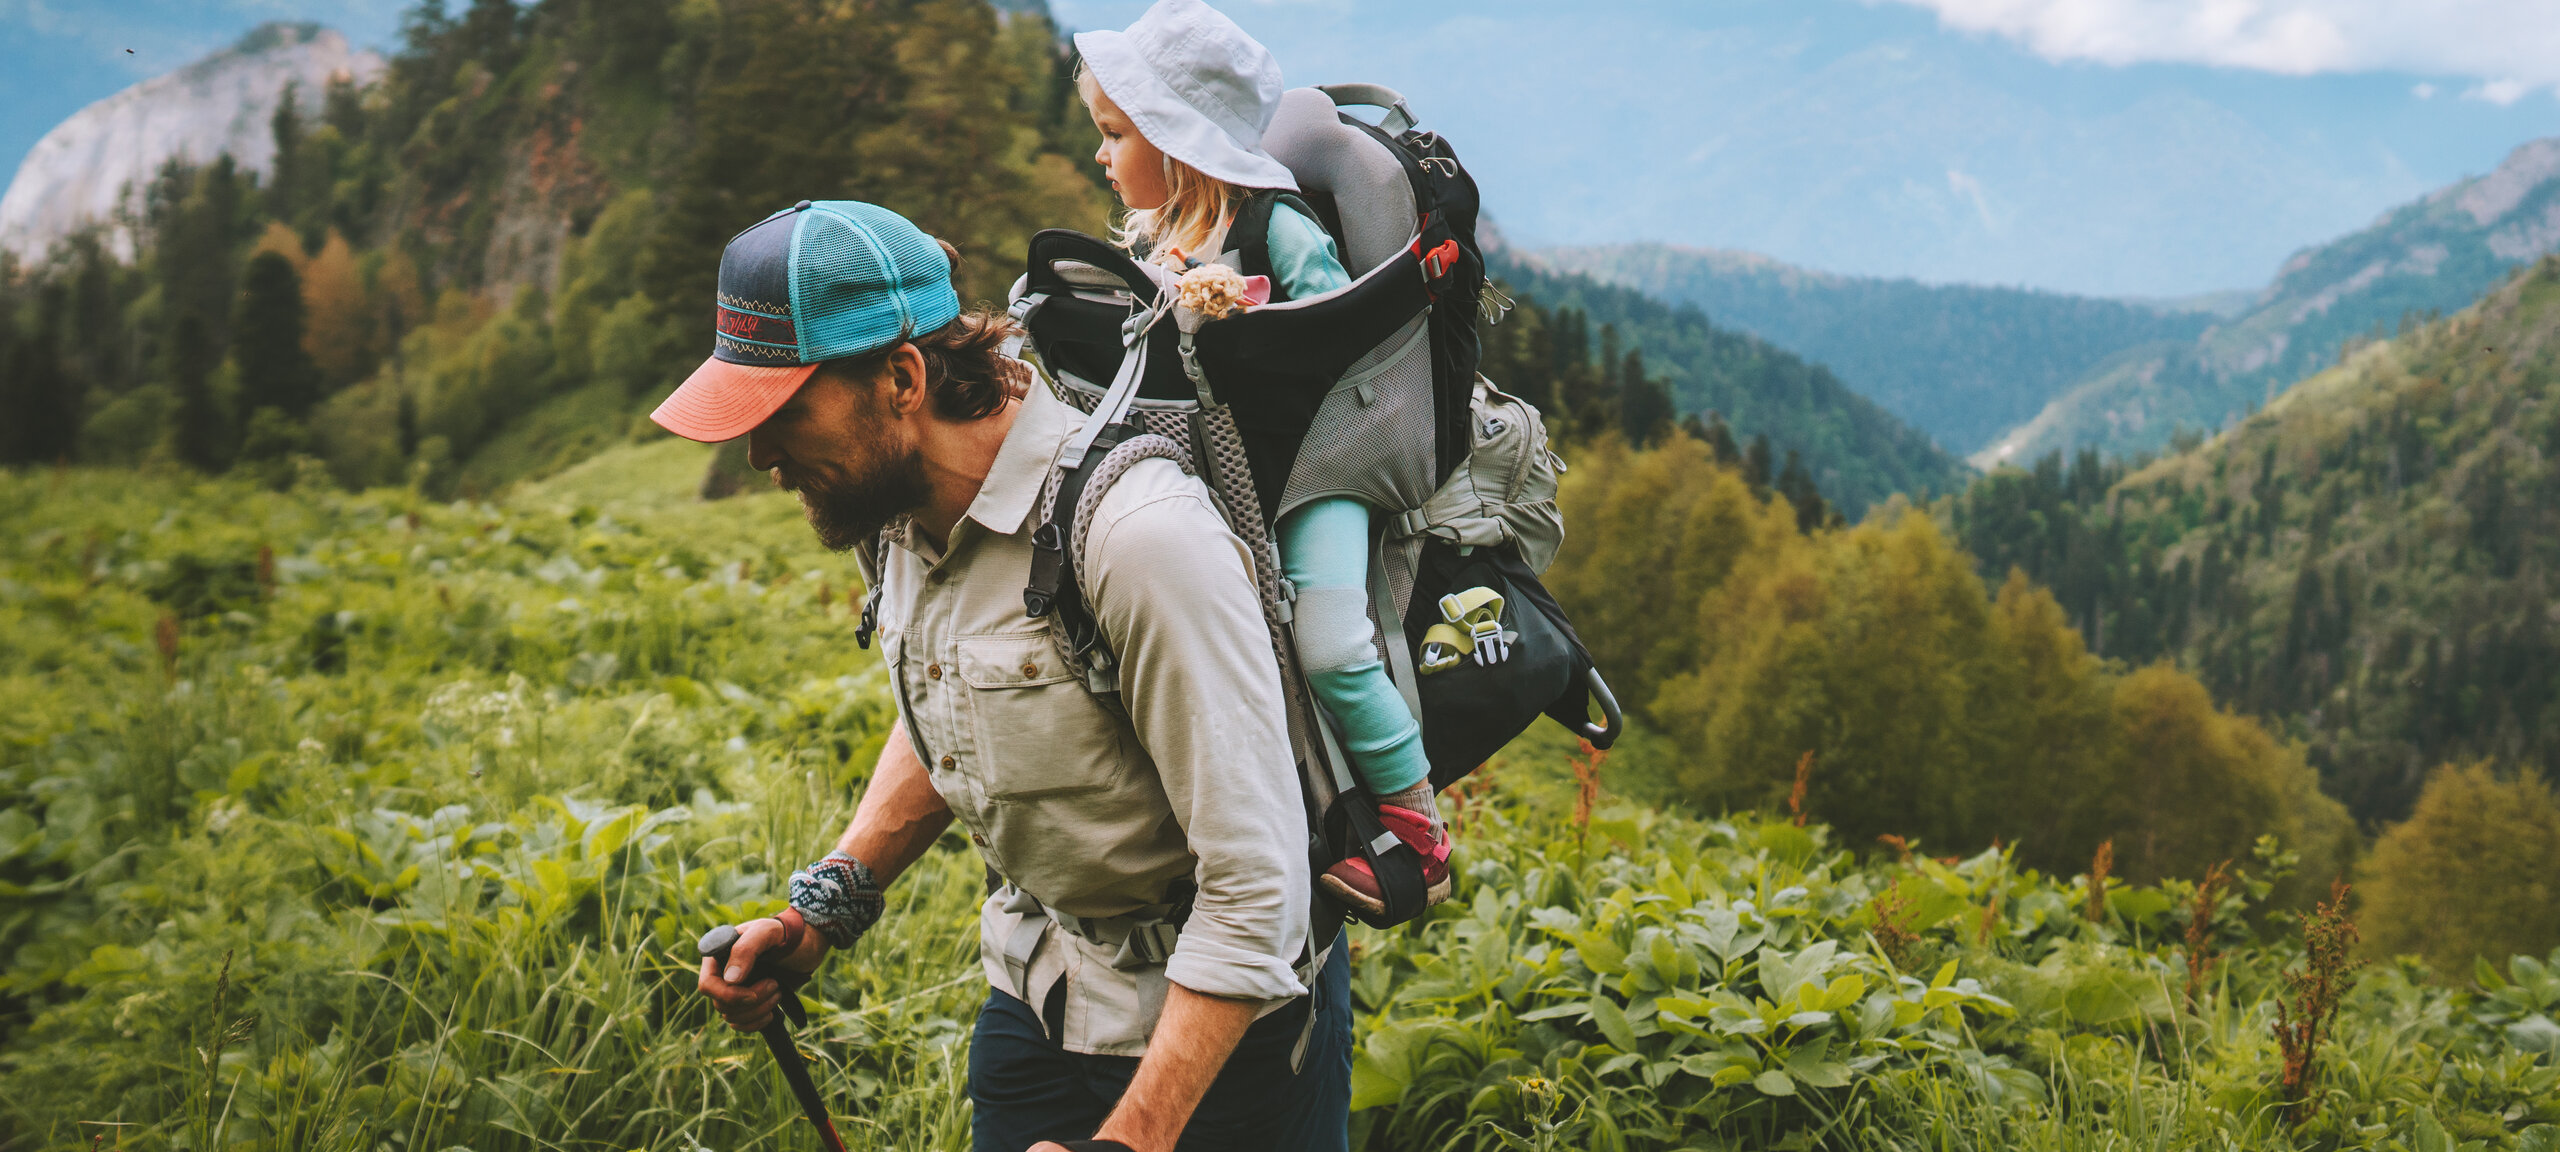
(1182, 98)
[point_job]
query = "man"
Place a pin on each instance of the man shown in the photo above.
(1151, 987)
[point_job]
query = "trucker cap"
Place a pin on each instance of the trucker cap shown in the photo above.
(814, 282)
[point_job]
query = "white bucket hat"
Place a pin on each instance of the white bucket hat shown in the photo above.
(1197, 87)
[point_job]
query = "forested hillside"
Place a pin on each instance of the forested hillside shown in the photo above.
(490, 261)
(2433, 256)
(1856, 452)
(1961, 362)
(2371, 559)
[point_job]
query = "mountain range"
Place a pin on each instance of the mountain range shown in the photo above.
(2009, 375)
(2435, 255)
(1963, 363)
(92, 166)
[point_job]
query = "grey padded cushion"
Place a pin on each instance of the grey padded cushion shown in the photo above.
(1364, 177)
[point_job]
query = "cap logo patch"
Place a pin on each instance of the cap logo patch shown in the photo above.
(757, 327)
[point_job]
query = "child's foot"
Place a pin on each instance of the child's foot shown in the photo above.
(1352, 881)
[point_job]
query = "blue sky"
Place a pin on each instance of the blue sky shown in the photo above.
(2110, 146)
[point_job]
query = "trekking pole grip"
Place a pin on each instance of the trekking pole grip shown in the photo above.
(716, 943)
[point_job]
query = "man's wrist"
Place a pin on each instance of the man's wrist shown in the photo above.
(837, 898)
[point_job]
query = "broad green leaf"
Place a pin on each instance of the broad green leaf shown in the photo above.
(1600, 953)
(1556, 1012)
(1781, 973)
(1612, 1021)
(1774, 1083)
(2428, 1135)
(1371, 1087)
(1811, 1066)
(1668, 962)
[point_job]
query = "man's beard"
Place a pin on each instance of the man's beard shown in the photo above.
(848, 512)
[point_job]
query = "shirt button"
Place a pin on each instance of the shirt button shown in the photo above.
(1030, 670)
(948, 763)
(933, 671)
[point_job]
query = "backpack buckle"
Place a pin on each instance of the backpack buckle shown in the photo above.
(1437, 262)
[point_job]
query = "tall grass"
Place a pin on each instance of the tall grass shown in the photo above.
(397, 836)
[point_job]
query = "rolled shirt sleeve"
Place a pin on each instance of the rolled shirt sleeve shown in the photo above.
(1173, 591)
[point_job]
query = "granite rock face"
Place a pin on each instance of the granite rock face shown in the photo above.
(98, 161)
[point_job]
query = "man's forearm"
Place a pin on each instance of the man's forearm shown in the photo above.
(900, 813)
(1192, 1041)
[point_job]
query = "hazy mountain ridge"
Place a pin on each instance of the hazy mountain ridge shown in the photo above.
(1964, 363)
(2431, 256)
(2374, 558)
(94, 164)
(1858, 452)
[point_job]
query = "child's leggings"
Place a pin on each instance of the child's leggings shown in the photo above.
(1324, 549)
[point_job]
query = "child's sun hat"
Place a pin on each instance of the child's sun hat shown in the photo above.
(1197, 87)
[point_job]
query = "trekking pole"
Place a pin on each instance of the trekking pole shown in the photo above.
(715, 945)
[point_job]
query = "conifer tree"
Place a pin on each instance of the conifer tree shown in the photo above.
(202, 435)
(266, 340)
(46, 405)
(1756, 464)
(1644, 403)
(284, 175)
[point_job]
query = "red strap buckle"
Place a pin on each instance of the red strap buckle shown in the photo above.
(1437, 262)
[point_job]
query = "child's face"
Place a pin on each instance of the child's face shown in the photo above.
(1135, 167)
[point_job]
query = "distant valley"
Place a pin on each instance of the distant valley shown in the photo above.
(2006, 376)
(1963, 363)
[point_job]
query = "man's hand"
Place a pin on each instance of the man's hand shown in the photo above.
(898, 818)
(749, 1007)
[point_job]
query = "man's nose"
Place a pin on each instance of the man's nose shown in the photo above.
(761, 454)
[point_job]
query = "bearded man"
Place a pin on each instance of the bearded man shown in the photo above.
(1151, 983)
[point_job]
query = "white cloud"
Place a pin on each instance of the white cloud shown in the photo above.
(2511, 46)
(2500, 92)
(2423, 91)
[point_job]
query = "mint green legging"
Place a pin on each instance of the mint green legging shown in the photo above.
(1324, 549)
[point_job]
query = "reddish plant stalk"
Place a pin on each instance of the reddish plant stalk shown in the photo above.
(2310, 1003)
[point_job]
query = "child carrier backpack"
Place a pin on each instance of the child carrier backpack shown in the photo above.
(1369, 391)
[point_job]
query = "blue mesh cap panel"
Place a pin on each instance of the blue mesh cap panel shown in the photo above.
(755, 319)
(864, 278)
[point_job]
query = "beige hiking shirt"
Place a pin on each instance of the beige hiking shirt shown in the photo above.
(1097, 804)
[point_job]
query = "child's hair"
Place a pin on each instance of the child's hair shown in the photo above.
(1197, 207)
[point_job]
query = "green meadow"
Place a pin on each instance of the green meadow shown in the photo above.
(368, 821)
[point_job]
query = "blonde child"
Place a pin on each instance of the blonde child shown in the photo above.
(1182, 98)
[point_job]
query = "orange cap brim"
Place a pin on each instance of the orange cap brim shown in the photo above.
(723, 401)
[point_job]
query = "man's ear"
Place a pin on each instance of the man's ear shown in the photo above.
(906, 382)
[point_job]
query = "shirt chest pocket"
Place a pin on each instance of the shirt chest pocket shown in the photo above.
(1039, 733)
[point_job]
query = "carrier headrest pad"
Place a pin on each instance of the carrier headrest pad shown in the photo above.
(1365, 178)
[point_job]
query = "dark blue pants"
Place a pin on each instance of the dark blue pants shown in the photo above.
(1025, 1088)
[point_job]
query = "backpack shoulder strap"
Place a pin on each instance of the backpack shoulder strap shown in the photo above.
(1058, 550)
(871, 558)
(1249, 232)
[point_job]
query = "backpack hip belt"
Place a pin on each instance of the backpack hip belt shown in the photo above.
(1143, 936)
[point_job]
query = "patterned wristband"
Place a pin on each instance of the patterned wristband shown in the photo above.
(838, 898)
